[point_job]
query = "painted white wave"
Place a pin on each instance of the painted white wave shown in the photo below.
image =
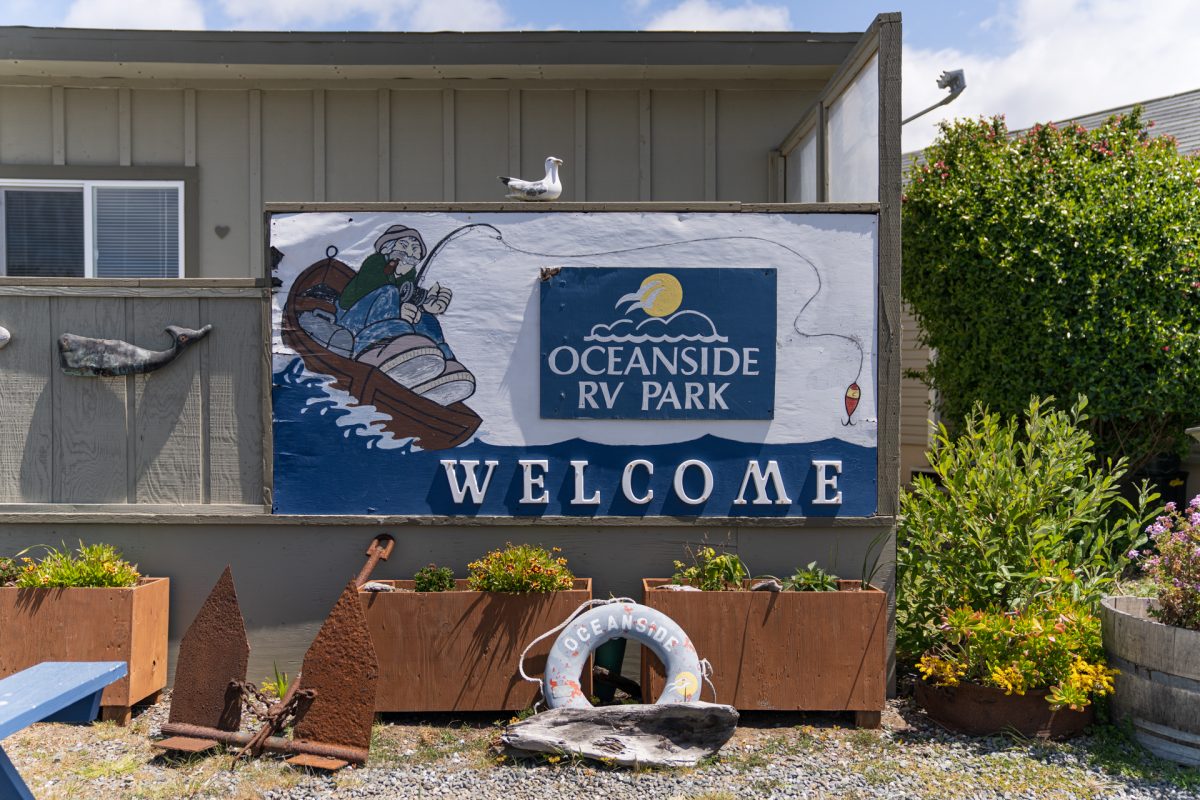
(682, 326)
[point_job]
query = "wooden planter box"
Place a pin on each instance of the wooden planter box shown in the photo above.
(985, 711)
(458, 651)
(782, 651)
(127, 625)
(1158, 689)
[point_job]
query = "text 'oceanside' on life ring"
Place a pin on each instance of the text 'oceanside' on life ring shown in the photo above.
(624, 619)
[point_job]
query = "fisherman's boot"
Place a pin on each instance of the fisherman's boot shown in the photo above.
(411, 360)
(454, 385)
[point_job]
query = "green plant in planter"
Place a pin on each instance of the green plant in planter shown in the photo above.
(1020, 512)
(1054, 645)
(520, 568)
(711, 571)
(434, 579)
(811, 579)
(10, 570)
(93, 565)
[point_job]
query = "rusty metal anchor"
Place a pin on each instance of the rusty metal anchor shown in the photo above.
(380, 549)
(331, 704)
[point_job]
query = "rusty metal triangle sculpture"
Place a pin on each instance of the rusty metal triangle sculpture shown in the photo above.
(332, 704)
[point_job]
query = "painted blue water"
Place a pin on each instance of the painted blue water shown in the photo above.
(323, 467)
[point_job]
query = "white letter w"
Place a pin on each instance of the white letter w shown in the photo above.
(458, 491)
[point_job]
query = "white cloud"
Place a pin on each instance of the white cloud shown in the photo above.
(144, 14)
(1068, 58)
(379, 15)
(705, 15)
(457, 15)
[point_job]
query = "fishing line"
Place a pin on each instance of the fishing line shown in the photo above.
(795, 323)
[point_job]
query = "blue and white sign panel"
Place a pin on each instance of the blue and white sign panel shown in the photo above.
(548, 363)
(630, 343)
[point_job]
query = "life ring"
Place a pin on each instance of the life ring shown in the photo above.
(629, 620)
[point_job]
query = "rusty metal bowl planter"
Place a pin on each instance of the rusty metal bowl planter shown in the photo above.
(783, 651)
(91, 624)
(458, 650)
(1158, 688)
(985, 710)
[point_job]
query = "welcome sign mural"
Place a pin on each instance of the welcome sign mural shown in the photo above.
(574, 363)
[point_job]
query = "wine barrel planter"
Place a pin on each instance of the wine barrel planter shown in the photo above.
(91, 624)
(782, 651)
(458, 650)
(1158, 689)
(985, 710)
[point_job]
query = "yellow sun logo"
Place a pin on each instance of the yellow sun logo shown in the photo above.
(659, 295)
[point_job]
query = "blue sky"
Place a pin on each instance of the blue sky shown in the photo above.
(1032, 60)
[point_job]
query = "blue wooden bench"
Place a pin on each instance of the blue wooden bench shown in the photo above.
(53, 691)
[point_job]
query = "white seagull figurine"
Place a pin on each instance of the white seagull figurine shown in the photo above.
(548, 188)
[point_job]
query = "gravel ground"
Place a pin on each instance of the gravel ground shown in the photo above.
(771, 755)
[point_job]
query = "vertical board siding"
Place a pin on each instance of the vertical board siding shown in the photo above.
(157, 127)
(91, 126)
(351, 145)
(612, 145)
(222, 152)
(90, 436)
(749, 125)
(166, 421)
(416, 153)
(235, 387)
(26, 426)
(677, 144)
(480, 144)
(287, 159)
(547, 129)
(26, 124)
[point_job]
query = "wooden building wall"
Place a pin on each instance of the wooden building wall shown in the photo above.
(189, 434)
(428, 141)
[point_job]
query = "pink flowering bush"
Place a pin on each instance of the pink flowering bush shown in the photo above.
(1175, 567)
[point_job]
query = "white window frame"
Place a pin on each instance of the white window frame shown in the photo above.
(88, 188)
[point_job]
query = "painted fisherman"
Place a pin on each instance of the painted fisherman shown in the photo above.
(394, 321)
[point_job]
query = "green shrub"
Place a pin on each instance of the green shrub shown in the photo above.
(520, 568)
(811, 579)
(1053, 646)
(434, 579)
(1020, 511)
(95, 565)
(711, 571)
(1060, 262)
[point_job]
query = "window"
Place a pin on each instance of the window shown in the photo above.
(91, 229)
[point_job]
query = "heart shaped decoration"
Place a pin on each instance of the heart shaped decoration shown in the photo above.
(222, 231)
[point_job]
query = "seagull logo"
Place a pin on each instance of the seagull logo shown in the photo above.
(661, 318)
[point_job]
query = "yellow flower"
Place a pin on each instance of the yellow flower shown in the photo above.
(939, 671)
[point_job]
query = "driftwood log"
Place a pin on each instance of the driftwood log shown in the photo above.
(672, 735)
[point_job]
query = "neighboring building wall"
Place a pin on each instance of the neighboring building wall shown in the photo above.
(915, 413)
(429, 141)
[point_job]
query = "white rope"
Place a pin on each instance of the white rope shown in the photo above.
(706, 672)
(582, 607)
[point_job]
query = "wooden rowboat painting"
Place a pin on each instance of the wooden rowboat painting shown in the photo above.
(431, 425)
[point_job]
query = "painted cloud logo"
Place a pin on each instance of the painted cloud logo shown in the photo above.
(659, 297)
